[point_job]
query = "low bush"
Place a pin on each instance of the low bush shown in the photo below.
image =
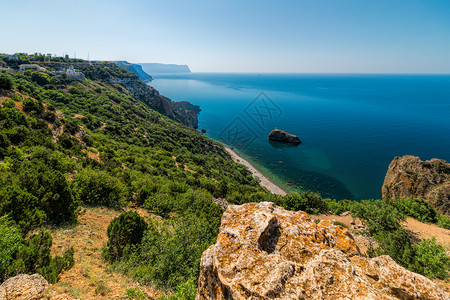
(307, 201)
(431, 259)
(31, 255)
(417, 208)
(6, 82)
(124, 233)
(443, 221)
(97, 187)
(383, 221)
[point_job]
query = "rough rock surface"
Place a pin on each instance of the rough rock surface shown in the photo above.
(278, 135)
(266, 252)
(408, 176)
(27, 287)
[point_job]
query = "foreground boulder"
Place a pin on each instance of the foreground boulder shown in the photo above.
(266, 252)
(28, 287)
(410, 177)
(278, 135)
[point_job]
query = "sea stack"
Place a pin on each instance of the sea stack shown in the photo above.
(278, 135)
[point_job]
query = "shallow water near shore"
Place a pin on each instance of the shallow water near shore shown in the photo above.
(351, 125)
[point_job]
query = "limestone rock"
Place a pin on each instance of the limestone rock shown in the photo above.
(278, 135)
(27, 287)
(266, 252)
(408, 176)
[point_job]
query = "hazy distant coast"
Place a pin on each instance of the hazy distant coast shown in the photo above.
(155, 68)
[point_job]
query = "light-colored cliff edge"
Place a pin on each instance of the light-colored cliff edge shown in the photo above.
(266, 252)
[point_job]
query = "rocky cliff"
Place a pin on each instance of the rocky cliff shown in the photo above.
(28, 287)
(183, 111)
(266, 252)
(408, 176)
(134, 68)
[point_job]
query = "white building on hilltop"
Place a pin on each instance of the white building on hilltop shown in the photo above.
(25, 67)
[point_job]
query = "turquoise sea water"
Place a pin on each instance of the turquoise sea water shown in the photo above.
(351, 126)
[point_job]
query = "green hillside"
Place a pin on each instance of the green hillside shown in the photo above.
(67, 143)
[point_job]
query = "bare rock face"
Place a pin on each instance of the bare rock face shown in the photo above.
(266, 252)
(410, 177)
(183, 111)
(24, 287)
(278, 135)
(28, 287)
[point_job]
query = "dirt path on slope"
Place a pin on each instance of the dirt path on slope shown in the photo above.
(90, 277)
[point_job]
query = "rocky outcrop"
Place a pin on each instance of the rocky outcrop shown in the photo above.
(28, 287)
(410, 177)
(278, 135)
(134, 68)
(266, 252)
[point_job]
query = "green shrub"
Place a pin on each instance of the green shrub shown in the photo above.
(124, 232)
(443, 221)
(135, 293)
(340, 224)
(10, 241)
(71, 126)
(22, 207)
(30, 105)
(17, 98)
(184, 291)
(383, 220)
(417, 208)
(97, 187)
(6, 82)
(337, 207)
(36, 191)
(171, 252)
(431, 259)
(102, 288)
(307, 201)
(31, 255)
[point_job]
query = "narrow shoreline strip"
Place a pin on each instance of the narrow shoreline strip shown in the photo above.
(263, 180)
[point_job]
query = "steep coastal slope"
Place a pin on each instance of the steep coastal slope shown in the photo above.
(68, 148)
(66, 143)
(409, 176)
(183, 112)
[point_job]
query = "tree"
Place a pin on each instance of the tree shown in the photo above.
(6, 82)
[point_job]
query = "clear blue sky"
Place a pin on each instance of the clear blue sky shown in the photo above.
(379, 36)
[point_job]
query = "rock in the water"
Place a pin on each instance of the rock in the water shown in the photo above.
(266, 252)
(28, 287)
(278, 135)
(410, 177)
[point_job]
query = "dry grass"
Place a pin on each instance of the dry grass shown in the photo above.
(90, 277)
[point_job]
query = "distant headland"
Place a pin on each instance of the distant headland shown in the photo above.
(152, 68)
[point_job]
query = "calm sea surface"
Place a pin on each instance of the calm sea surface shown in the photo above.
(351, 126)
